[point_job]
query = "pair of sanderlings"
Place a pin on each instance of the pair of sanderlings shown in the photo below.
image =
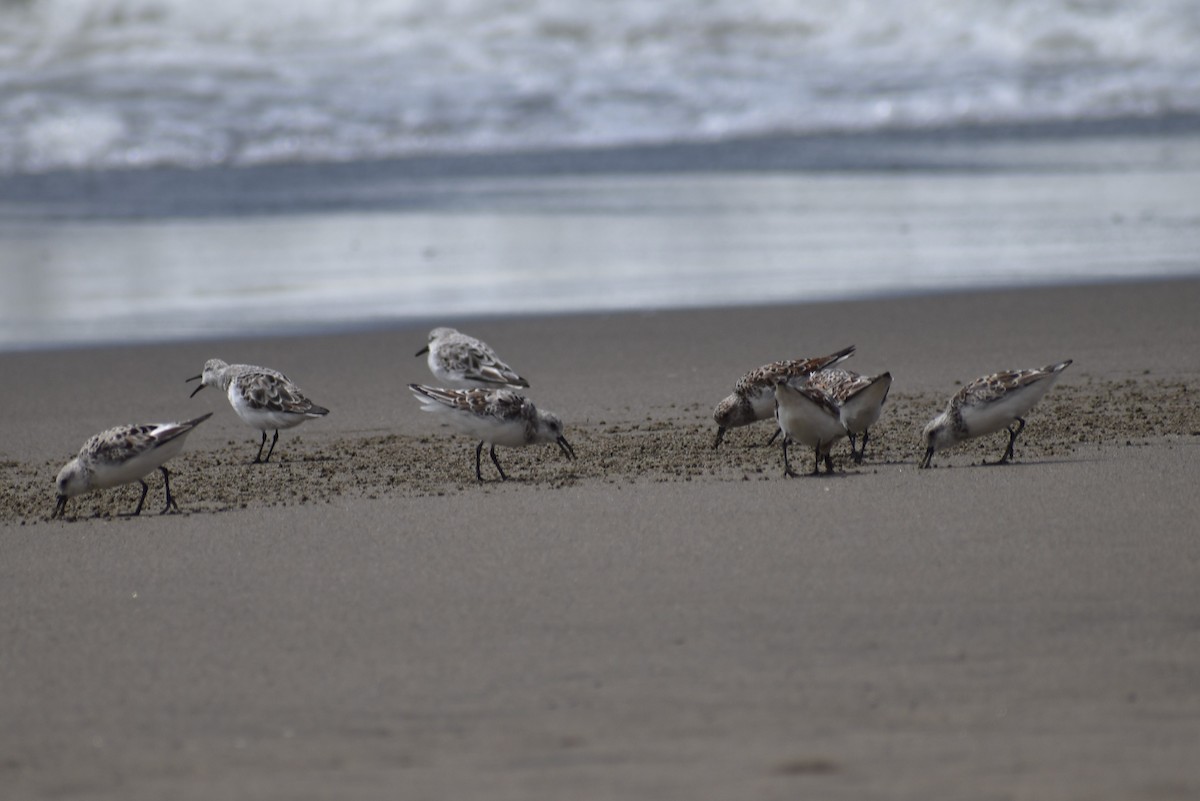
(813, 402)
(483, 403)
(830, 405)
(263, 398)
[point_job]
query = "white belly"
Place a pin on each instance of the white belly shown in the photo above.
(809, 424)
(262, 419)
(113, 474)
(984, 419)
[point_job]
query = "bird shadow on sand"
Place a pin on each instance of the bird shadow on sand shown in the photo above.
(1014, 464)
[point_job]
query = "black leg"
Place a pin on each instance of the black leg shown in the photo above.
(478, 456)
(141, 500)
(60, 507)
(817, 460)
(167, 487)
(496, 462)
(927, 462)
(1012, 438)
(828, 463)
(853, 453)
(274, 439)
(261, 445)
(862, 454)
(787, 468)
(774, 436)
(720, 436)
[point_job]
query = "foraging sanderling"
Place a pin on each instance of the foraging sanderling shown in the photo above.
(464, 361)
(860, 399)
(808, 415)
(753, 396)
(495, 417)
(122, 455)
(989, 404)
(264, 398)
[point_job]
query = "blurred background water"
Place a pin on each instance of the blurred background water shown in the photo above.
(173, 169)
(121, 83)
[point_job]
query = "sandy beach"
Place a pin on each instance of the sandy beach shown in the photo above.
(362, 619)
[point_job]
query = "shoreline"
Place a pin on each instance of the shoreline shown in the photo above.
(384, 326)
(171, 255)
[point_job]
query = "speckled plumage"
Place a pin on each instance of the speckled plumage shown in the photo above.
(989, 404)
(753, 396)
(460, 360)
(860, 400)
(494, 417)
(122, 455)
(810, 416)
(263, 398)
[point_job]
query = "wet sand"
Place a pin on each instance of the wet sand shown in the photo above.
(362, 619)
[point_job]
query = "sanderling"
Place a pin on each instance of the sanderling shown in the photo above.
(122, 455)
(808, 415)
(989, 404)
(753, 396)
(464, 361)
(265, 399)
(495, 417)
(860, 399)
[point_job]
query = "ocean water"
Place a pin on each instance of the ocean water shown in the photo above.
(134, 83)
(172, 169)
(448, 249)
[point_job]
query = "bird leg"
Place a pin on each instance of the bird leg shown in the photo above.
(261, 445)
(787, 468)
(167, 486)
(272, 449)
(141, 500)
(862, 454)
(496, 462)
(774, 436)
(1012, 438)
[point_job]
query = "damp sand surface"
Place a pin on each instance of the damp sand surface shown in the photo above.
(658, 619)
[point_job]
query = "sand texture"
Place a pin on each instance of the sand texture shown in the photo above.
(361, 618)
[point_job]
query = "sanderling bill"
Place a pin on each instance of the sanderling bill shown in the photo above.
(122, 455)
(989, 404)
(494, 417)
(264, 398)
(807, 415)
(753, 396)
(860, 399)
(464, 361)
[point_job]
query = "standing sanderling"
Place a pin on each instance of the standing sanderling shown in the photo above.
(495, 417)
(122, 455)
(860, 399)
(989, 404)
(265, 399)
(464, 361)
(753, 396)
(808, 415)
